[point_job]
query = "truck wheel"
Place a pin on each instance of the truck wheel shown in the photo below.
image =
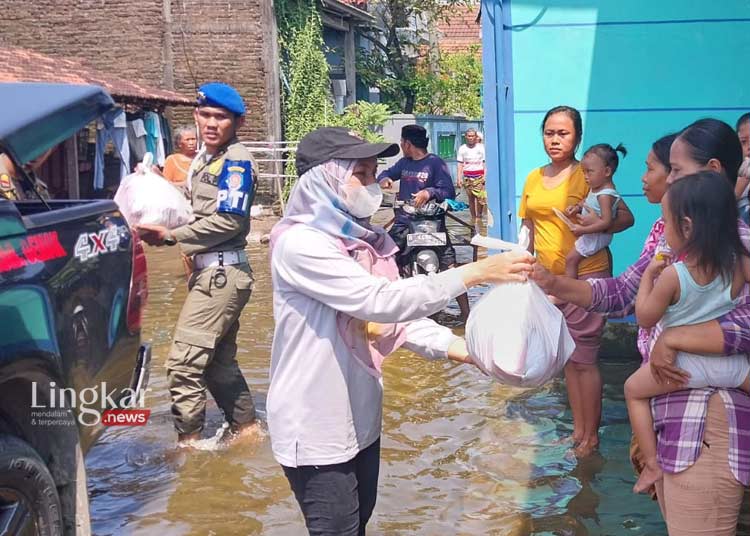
(29, 504)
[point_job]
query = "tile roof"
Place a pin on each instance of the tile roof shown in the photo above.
(23, 65)
(361, 4)
(461, 29)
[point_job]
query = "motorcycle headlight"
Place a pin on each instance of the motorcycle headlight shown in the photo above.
(428, 260)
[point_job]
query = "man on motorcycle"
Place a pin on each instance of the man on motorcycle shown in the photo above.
(423, 177)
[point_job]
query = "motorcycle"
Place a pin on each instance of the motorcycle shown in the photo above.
(425, 239)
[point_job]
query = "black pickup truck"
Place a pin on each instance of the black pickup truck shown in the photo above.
(72, 291)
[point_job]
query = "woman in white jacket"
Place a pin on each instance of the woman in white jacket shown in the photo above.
(339, 309)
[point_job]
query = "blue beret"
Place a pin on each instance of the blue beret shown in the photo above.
(222, 96)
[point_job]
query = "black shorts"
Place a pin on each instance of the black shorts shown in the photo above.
(446, 255)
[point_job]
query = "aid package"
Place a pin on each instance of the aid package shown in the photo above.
(145, 197)
(515, 334)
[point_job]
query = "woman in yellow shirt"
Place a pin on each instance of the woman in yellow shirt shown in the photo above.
(560, 184)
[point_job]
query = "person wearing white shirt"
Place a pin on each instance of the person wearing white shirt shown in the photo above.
(471, 169)
(338, 311)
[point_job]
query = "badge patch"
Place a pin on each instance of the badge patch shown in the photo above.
(235, 181)
(207, 178)
(235, 188)
(5, 183)
(214, 168)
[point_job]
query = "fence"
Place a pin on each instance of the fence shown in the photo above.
(273, 158)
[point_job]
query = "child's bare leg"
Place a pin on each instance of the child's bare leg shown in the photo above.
(572, 260)
(746, 384)
(639, 388)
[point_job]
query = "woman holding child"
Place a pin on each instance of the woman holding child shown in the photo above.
(703, 433)
(561, 184)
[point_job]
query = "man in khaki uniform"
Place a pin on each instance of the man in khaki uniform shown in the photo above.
(11, 185)
(203, 354)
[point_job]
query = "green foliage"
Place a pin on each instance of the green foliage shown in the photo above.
(366, 119)
(455, 89)
(308, 102)
(399, 46)
(306, 87)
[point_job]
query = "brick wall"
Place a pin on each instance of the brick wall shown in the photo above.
(222, 40)
(176, 44)
(135, 39)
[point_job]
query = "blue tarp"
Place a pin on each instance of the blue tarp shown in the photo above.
(35, 117)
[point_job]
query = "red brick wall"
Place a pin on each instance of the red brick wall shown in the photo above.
(223, 40)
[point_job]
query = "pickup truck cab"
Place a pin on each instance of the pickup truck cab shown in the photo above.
(72, 290)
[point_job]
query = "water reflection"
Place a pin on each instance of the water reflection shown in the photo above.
(460, 453)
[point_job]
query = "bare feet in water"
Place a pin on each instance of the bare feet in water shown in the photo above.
(250, 432)
(585, 448)
(187, 440)
(650, 475)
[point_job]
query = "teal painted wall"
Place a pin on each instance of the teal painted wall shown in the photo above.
(636, 70)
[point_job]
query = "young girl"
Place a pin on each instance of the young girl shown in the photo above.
(742, 188)
(599, 165)
(700, 226)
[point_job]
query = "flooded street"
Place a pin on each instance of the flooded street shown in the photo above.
(461, 454)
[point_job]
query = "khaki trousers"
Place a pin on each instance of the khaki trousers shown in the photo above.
(203, 353)
(704, 499)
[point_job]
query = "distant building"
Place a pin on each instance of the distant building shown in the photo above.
(168, 45)
(341, 19)
(461, 30)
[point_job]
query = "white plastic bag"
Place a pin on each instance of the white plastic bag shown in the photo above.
(145, 197)
(517, 336)
(514, 333)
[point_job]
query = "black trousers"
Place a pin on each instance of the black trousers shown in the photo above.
(337, 499)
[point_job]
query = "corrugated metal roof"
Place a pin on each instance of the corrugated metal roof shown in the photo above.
(23, 65)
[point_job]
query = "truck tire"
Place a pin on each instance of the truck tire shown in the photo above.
(29, 503)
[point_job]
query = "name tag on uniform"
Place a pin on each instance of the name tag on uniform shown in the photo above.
(235, 187)
(207, 178)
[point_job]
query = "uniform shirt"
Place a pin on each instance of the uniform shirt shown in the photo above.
(324, 407)
(12, 188)
(552, 237)
(430, 173)
(222, 190)
(9, 187)
(471, 157)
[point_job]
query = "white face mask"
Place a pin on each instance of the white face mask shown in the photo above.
(362, 201)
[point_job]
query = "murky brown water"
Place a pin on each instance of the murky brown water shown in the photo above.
(460, 453)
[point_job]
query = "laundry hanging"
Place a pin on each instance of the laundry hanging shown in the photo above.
(112, 126)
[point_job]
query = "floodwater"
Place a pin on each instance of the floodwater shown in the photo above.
(461, 454)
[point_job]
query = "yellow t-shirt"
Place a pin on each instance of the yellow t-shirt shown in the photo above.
(552, 238)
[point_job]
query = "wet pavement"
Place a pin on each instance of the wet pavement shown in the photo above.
(461, 454)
